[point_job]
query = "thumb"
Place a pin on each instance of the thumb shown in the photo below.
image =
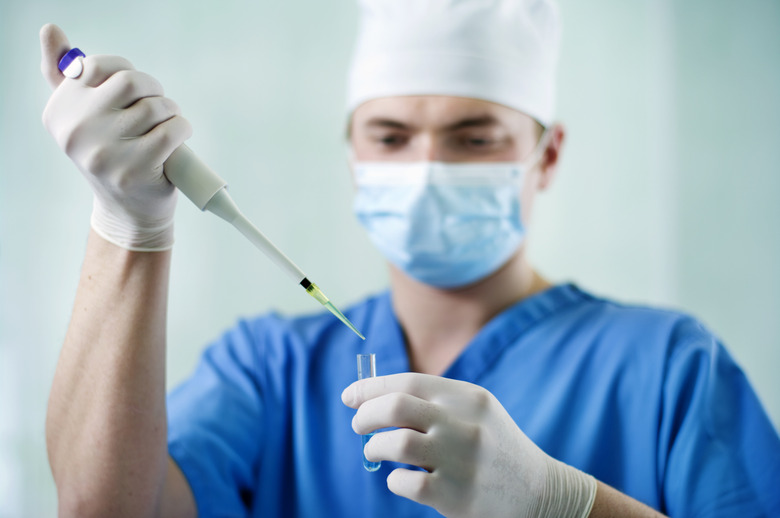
(54, 45)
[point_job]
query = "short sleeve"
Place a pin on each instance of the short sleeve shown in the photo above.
(721, 452)
(215, 425)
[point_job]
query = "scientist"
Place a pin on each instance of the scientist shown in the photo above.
(499, 395)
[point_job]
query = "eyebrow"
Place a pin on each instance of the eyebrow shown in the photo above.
(385, 123)
(471, 122)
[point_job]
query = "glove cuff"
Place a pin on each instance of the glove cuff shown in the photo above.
(568, 492)
(132, 235)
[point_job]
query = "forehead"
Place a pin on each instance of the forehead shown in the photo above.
(437, 111)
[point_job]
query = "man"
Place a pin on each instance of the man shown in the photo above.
(506, 396)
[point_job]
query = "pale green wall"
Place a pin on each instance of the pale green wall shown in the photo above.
(669, 192)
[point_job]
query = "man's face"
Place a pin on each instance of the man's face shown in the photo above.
(452, 129)
(442, 129)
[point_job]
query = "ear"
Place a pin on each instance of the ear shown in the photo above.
(548, 166)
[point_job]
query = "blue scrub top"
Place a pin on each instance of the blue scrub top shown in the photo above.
(645, 400)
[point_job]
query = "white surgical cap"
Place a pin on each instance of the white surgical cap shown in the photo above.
(503, 51)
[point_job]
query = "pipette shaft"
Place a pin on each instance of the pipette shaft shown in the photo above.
(222, 205)
(209, 193)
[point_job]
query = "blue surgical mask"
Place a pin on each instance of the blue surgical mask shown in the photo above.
(444, 224)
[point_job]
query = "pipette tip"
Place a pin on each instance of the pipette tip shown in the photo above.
(314, 290)
(344, 319)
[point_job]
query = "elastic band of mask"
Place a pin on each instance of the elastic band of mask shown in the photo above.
(541, 145)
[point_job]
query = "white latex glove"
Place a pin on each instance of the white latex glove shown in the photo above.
(117, 127)
(478, 462)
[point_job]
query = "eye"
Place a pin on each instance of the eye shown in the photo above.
(479, 142)
(392, 140)
(475, 142)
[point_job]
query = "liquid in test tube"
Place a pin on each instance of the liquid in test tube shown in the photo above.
(366, 366)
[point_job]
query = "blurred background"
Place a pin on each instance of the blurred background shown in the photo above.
(669, 193)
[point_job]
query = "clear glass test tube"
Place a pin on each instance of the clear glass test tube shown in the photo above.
(366, 367)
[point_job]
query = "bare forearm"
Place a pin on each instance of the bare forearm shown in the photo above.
(611, 503)
(106, 423)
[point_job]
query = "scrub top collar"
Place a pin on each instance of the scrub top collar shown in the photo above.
(386, 338)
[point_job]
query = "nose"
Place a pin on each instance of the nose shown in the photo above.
(429, 149)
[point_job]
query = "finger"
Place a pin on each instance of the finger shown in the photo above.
(404, 446)
(97, 69)
(423, 386)
(54, 45)
(417, 486)
(409, 382)
(396, 410)
(125, 87)
(164, 138)
(145, 114)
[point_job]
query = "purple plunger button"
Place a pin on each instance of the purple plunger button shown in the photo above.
(70, 64)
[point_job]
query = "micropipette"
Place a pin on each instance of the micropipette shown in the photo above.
(208, 192)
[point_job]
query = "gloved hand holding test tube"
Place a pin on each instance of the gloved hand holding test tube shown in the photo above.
(208, 191)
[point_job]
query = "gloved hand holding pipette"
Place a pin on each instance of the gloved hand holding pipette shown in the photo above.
(113, 113)
(117, 126)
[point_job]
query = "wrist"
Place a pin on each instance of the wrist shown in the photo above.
(567, 492)
(149, 234)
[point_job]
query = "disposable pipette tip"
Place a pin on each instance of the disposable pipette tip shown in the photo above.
(344, 319)
(314, 290)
